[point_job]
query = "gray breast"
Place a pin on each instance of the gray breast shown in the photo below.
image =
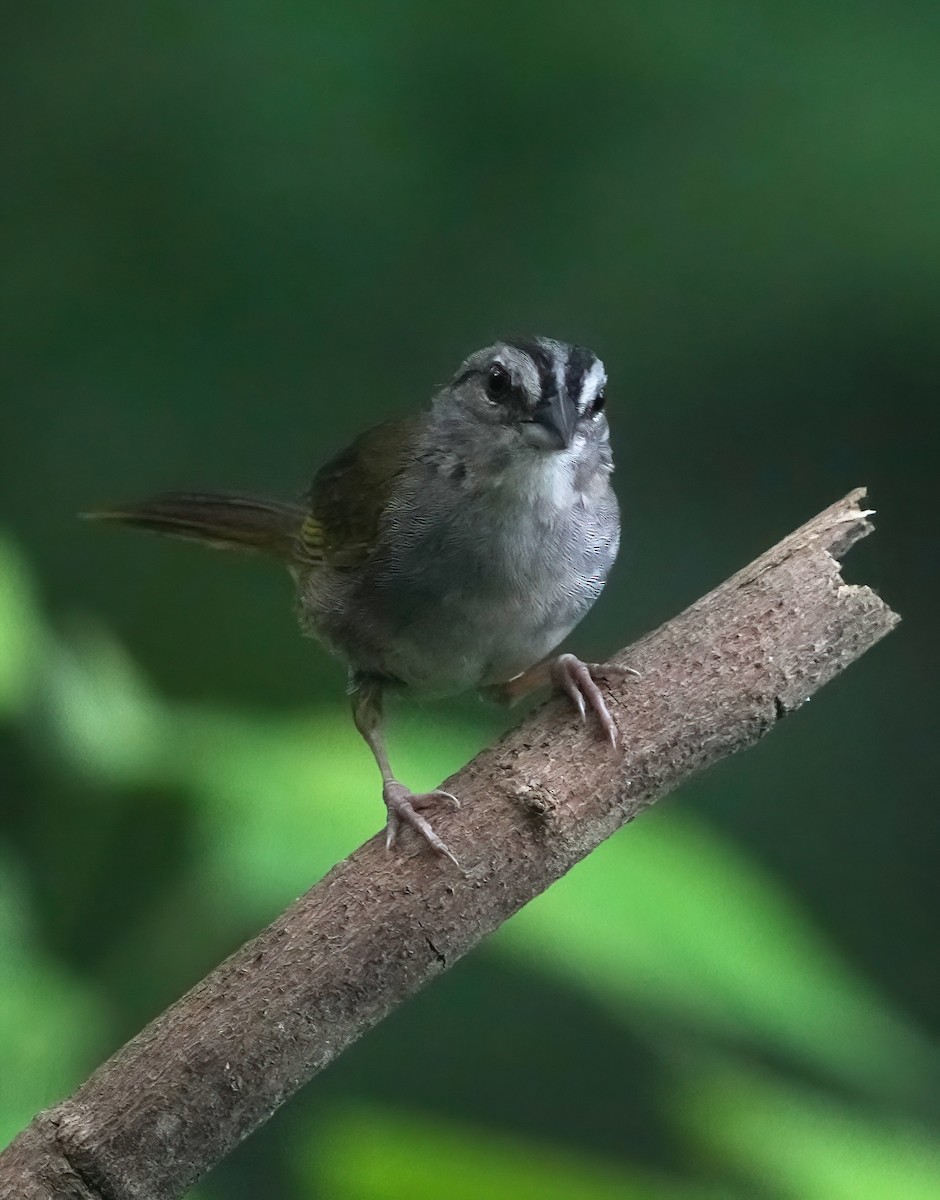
(474, 592)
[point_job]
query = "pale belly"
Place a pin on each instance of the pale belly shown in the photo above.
(440, 629)
(463, 606)
(469, 642)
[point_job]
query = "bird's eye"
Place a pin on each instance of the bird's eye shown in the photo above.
(498, 382)
(598, 406)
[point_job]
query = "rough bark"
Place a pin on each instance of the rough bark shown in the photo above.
(380, 926)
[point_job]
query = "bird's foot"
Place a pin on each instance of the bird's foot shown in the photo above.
(578, 680)
(404, 808)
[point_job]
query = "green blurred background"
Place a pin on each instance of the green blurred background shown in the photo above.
(233, 236)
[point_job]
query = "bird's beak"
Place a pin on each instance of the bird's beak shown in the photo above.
(558, 416)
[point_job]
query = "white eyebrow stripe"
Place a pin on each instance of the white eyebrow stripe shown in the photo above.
(523, 368)
(592, 383)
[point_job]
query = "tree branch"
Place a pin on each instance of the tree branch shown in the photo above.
(380, 926)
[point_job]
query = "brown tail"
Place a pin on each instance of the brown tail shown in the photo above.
(228, 522)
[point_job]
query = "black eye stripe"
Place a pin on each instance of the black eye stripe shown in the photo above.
(580, 362)
(543, 363)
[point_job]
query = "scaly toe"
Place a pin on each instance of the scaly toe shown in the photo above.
(612, 671)
(422, 800)
(392, 826)
(576, 679)
(403, 808)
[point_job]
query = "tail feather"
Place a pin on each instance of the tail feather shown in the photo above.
(224, 521)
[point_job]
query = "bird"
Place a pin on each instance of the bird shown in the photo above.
(450, 550)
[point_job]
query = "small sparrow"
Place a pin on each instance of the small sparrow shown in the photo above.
(450, 550)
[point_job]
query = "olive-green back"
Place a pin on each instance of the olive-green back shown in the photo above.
(350, 493)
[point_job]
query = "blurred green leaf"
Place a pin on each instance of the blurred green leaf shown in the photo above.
(668, 918)
(52, 1025)
(806, 1146)
(374, 1154)
(281, 801)
(101, 712)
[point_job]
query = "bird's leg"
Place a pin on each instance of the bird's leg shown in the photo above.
(403, 805)
(578, 680)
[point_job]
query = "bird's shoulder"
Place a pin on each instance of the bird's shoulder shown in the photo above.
(350, 493)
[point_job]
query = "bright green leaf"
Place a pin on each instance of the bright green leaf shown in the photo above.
(371, 1154)
(804, 1146)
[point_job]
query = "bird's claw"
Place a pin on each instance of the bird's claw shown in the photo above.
(612, 671)
(405, 806)
(577, 680)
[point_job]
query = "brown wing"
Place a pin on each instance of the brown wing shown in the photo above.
(350, 493)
